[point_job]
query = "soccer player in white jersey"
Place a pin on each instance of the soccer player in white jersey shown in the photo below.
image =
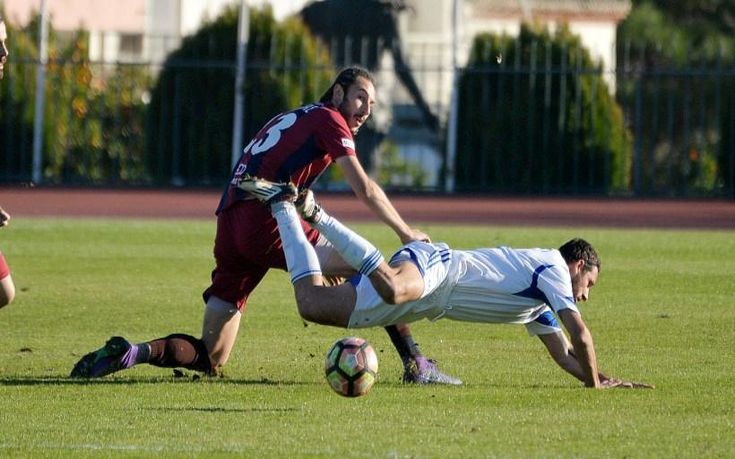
(431, 281)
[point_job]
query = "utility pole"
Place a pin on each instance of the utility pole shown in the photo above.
(449, 182)
(243, 30)
(36, 173)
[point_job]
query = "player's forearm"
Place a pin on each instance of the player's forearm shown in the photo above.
(587, 359)
(570, 364)
(600, 375)
(376, 199)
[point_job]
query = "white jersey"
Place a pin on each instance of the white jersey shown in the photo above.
(499, 285)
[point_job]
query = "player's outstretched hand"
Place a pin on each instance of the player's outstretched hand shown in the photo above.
(619, 383)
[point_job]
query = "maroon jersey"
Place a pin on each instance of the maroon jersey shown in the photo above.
(295, 146)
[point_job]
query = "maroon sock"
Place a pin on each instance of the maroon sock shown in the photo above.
(180, 351)
(401, 337)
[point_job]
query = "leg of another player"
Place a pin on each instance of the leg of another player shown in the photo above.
(7, 290)
(400, 334)
(221, 322)
(219, 330)
(7, 287)
(316, 302)
(325, 305)
(394, 286)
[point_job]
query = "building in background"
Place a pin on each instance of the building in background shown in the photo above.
(594, 21)
(145, 30)
(130, 31)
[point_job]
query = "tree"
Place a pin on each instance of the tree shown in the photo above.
(92, 128)
(674, 60)
(701, 17)
(536, 117)
(190, 117)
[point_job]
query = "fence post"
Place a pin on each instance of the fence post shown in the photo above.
(243, 27)
(40, 95)
(449, 183)
(637, 128)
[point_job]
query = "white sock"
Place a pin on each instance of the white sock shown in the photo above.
(356, 250)
(301, 259)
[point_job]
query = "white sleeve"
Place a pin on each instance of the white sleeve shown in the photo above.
(556, 283)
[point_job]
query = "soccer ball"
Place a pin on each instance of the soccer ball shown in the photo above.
(351, 367)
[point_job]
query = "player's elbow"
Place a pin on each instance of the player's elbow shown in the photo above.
(583, 339)
(367, 191)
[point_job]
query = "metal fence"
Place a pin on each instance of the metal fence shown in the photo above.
(681, 121)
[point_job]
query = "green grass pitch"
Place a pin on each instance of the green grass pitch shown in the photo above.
(662, 313)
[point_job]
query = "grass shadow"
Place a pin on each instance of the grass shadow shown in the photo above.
(217, 409)
(67, 381)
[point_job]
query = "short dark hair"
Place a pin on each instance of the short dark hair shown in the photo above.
(579, 249)
(346, 78)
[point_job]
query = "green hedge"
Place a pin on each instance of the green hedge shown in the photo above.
(92, 124)
(536, 116)
(190, 118)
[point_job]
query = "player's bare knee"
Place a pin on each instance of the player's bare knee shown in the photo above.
(306, 305)
(306, 299)
(6, 297)
(388, 291)
(7, 291)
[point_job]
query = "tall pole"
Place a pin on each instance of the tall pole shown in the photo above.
(243, 30)
(40, 96)
(449, 183)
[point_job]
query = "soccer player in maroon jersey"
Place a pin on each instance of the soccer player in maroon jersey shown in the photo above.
(7, 287)
(295, 146)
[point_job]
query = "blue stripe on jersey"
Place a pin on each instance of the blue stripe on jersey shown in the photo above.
(299, 159)
(533, 291)
(355, 280)
(411, 256)
(547, 318)
(440, 256)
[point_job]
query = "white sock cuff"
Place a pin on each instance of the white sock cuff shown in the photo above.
(357, 251)
(301, 258)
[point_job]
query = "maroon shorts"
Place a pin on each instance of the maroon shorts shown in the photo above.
(4, 269)
(246, 246)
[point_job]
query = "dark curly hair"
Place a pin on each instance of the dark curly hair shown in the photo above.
(579, 249)
(346, 78)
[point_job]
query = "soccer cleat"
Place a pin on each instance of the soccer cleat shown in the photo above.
(307, 206)
(116, 354)
(425, 371)
(266, 191)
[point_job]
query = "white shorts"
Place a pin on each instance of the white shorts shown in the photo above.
(433, 262)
